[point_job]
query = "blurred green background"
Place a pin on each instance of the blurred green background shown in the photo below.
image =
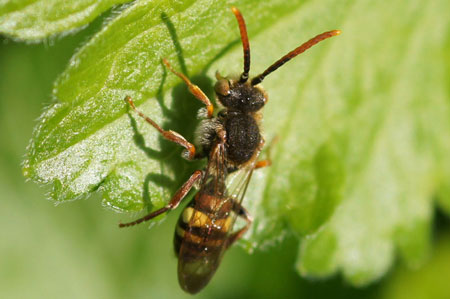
(76, 250)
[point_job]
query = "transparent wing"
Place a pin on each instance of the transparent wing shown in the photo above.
(236, 187)
(203, 244)
(237, 183)
(216, 172)
(214, 212)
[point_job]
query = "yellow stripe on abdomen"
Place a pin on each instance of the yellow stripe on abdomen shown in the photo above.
(195, 218)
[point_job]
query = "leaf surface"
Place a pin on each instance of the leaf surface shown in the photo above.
(362, 121)
(34, 20)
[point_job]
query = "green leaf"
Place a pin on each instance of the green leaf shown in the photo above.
(34, 20)
(394, 140)
(430, 281)
(362, 121)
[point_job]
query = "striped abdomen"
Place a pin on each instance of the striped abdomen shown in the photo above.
(201, 238)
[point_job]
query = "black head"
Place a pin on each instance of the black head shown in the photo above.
(239, 96)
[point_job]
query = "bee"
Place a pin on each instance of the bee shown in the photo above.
(232, 142)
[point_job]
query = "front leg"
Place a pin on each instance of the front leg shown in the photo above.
(193, 89)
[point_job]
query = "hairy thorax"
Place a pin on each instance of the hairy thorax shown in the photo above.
(242, 134)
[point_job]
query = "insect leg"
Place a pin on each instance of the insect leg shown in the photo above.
(242, 212)
(263, 163)
(169, 135)
(174, 202)
(268, 161)
(194, 89)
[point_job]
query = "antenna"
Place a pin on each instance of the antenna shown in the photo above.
(258, 79)
(245, 44)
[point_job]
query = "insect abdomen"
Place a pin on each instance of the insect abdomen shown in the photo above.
(200, 240)
(201, 231)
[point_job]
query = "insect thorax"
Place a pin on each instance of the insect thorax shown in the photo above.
(242, 135)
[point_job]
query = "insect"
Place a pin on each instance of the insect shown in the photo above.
(231, 141)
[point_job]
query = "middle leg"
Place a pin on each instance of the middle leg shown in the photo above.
(268, 161)
(169, 134)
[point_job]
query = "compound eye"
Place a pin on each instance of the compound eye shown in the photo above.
(222, 87)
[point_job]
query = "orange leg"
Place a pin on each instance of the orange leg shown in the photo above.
(169, 135)
(268, 161)
(263, 163)
(194, 89)
(173, 203)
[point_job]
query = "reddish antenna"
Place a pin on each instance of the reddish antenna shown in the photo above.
(245, 44)
(258, 79)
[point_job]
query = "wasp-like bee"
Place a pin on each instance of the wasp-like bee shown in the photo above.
(231, 141)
